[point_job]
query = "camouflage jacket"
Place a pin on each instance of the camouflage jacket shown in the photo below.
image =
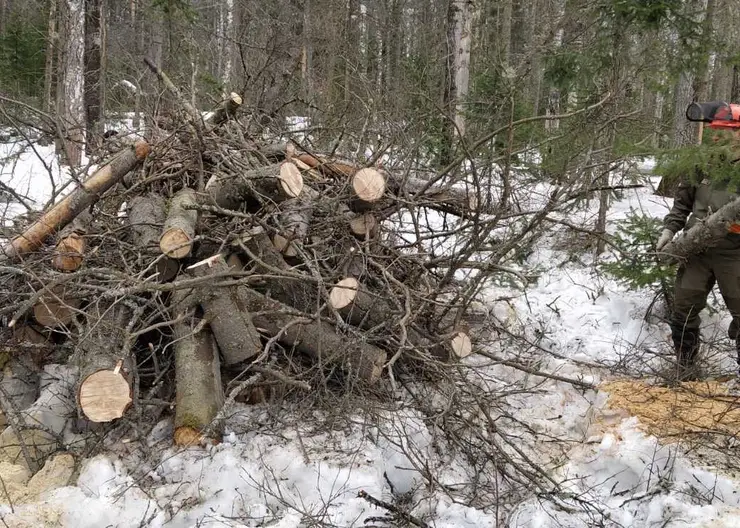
(694, 202)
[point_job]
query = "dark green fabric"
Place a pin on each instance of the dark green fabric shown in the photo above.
(695, 202)
(695, 280)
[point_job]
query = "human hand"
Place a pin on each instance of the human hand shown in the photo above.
(665, 237)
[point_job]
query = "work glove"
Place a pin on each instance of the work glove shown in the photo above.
(665, 237)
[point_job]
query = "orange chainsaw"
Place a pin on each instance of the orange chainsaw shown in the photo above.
(718, 114)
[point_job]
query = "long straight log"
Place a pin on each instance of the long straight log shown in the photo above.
(63, 212)
(317, 339)
(197, 375)
(706, 234)
(106, 367)
(279, 182)
(178, 232)
(229, 319)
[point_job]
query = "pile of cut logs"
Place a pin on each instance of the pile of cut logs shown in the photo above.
(201, 253)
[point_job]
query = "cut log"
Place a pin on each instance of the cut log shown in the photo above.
(365, 310)
(226, 111)
(146, 217)
(70, 250)
(704, 235)
(104, 393)
(460, 345)
(284, 245)
(56, 307)
(63, 212)
(364, 225)
(317, 339)
(278, 182)
(179, 227)
(228, 317)
(331, 168)
(368, 186)
(199, 395)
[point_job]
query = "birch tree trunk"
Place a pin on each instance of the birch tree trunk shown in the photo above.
(463, 26)
(71, 105)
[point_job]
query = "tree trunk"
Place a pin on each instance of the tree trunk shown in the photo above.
(62, 213)
(735, 90)
(52, 42)
(178, 233)
(197, 376)
(93, 74)
(106, 366)
(72, 70)
(230, 320)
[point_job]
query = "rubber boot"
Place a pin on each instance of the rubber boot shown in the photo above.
(686, 343)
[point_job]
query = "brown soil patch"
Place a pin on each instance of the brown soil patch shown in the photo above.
(675, 413)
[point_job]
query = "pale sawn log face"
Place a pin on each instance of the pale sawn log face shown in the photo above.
(179, 227)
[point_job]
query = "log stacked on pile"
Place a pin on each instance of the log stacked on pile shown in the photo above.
(225, 252)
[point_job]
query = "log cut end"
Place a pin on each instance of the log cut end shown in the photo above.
(141, 148)
(461, 345)
(105, 395)
(69, 253)
(55, 309)
(364, 225)
(176, 243)
(344, 293)
(291, 180)
(369, 185)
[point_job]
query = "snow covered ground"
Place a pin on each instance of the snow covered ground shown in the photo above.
(283, 473)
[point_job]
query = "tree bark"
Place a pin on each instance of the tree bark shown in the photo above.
(93, 75)
(462, 35)
(63, 212)
(197, 376)
(229, 319)
(365, 310)
(178, 232)
(106, 366)
(71, 107)
(52, 42)
(317, 339)
(279, 182)
(146, 216)
(70, 250)
(706, 234)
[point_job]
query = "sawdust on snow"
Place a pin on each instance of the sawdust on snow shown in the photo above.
(678, 412)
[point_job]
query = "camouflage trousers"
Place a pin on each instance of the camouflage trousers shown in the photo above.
(694, 282)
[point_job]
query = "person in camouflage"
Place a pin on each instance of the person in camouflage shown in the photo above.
(697, 276)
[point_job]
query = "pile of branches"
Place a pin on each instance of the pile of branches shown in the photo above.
(203, 255)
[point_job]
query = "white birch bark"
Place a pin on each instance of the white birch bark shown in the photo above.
(72, 75)
(463, 25)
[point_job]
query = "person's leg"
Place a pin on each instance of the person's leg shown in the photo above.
(726, 267)
(694, 282)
